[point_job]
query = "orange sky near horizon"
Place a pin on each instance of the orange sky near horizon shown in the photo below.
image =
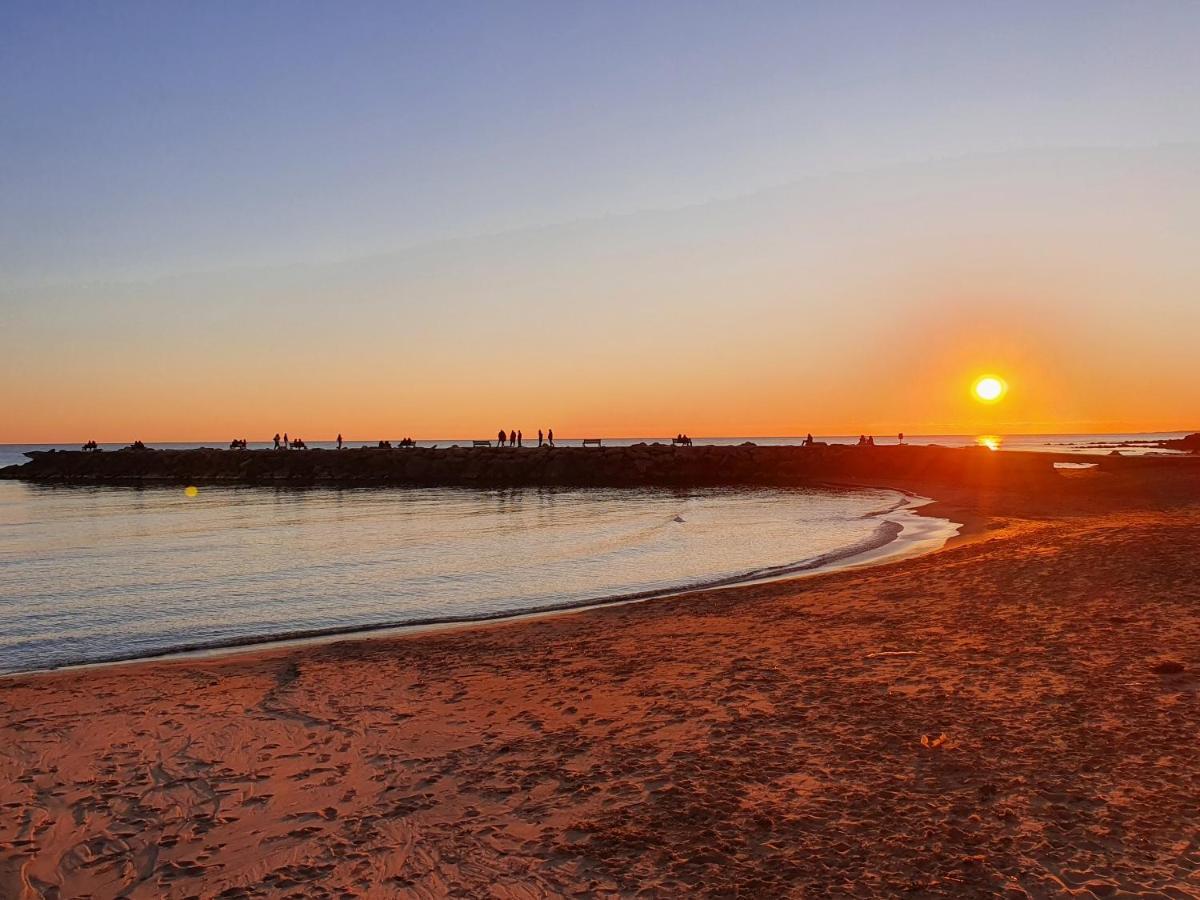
(669, 399)
(914, 390)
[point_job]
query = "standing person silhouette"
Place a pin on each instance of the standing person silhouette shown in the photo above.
(501, 437)
(550, 436)
(339, 440)
(900, 437)
(277, 440)
(541, 439)
(520, 437)
(512, 439)
(285, 441)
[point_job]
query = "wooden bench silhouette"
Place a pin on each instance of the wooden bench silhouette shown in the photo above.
(592, 442)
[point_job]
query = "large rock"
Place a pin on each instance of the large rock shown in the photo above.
(1191, 443)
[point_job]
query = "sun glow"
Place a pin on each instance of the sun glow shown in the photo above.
(989, 388)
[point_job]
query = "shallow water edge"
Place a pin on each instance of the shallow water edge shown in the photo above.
(905, 533)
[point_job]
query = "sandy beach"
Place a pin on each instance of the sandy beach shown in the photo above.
(1015, 714)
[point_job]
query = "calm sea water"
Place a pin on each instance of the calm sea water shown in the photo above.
(100, 573)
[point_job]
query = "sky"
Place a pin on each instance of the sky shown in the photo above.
(232, 219)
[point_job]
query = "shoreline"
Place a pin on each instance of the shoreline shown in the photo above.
(867, 552)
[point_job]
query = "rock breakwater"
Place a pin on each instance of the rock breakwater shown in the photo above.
(656, 465)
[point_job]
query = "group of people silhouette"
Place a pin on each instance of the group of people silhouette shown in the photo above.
(514, 438)
(294, 443)
(93, 447)
(517, 438)
(868, 440)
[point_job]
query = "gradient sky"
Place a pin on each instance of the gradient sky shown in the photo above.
(437, 219)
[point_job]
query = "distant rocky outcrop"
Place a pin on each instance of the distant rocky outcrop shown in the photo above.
(1190, 444)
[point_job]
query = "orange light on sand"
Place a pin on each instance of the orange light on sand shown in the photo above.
(989, 389)
(191, 491)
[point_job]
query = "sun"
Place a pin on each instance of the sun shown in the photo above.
(989, 388)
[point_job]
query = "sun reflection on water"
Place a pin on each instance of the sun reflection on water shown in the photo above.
(991, 441)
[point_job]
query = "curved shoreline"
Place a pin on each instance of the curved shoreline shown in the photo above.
(887, 543)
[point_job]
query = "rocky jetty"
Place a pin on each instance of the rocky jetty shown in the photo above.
(639, 465)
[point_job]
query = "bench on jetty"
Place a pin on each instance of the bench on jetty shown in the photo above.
(481, 443)
(682, 441)
(591, 442)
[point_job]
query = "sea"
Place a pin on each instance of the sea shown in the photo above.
(93, 574)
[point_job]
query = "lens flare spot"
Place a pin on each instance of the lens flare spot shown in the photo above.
(191, 490)
(989, 388)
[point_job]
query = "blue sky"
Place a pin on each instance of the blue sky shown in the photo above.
(143, 139)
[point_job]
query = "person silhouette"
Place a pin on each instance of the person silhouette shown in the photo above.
(339, 441)
(512, 439)
(285, 440)
(277, 440)
(520, 438)
(501, 437)
(550, 437)
(900, 438)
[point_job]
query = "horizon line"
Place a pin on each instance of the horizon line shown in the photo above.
(639, 437)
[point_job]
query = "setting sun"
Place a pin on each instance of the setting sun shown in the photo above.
(989, 389)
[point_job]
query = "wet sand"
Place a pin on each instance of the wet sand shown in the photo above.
(771, 740)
